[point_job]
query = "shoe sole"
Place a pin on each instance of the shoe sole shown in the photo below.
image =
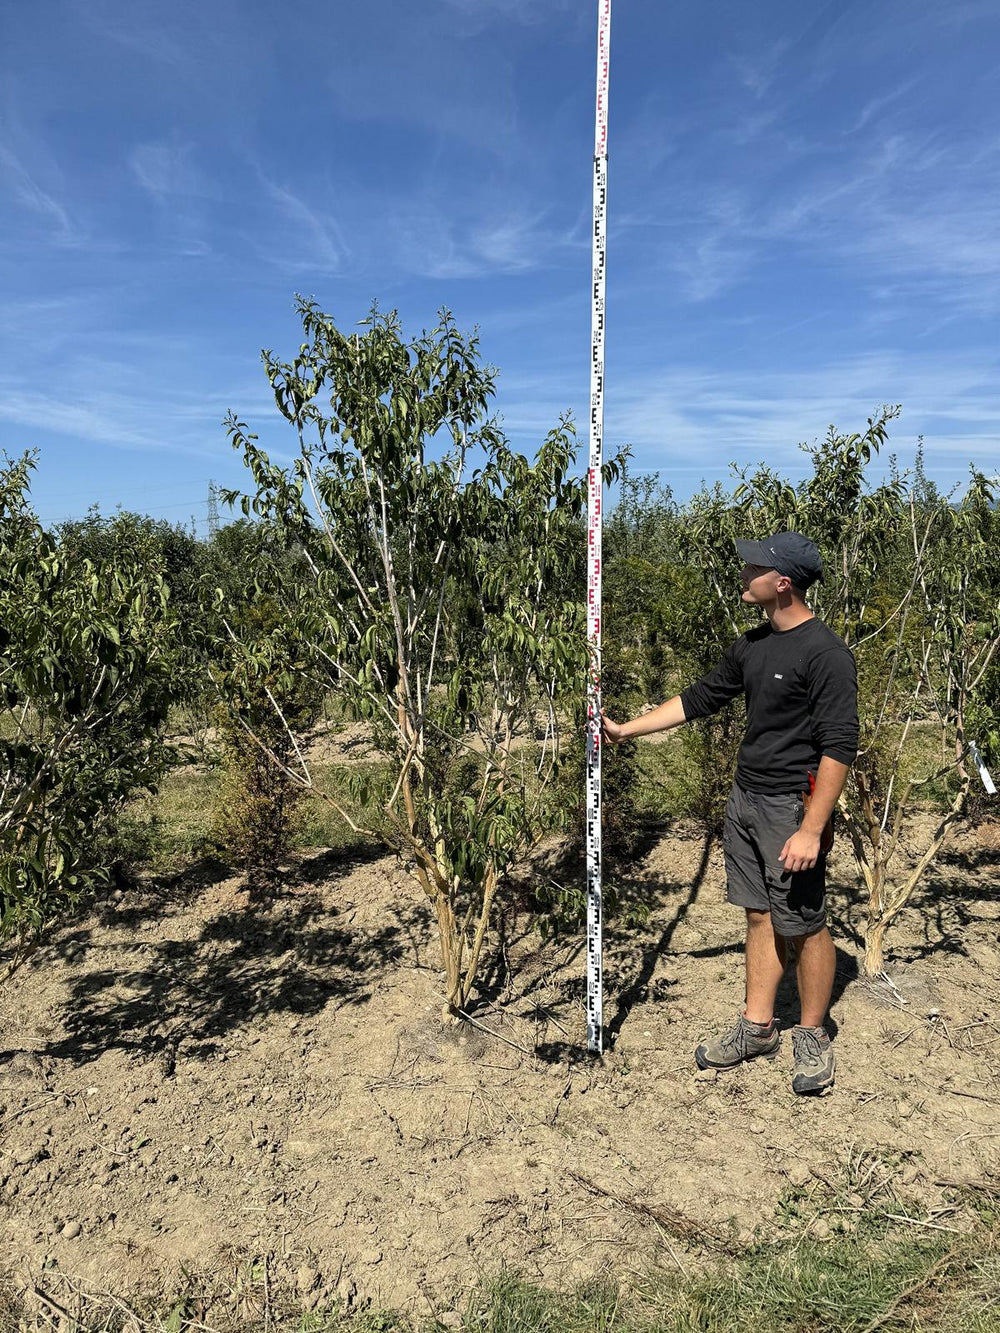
(816, 1089)
(703, 1063)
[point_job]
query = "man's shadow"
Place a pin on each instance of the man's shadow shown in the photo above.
(651, 955)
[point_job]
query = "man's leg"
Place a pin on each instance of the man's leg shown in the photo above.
(815, 1063)
(765, 954)
(765, 963)
(756, 1032)
(815, 965)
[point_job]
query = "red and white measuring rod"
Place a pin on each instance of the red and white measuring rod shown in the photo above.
(595, 990)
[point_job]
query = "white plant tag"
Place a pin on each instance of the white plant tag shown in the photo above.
(984, 772)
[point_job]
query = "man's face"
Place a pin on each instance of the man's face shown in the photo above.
(761, 585)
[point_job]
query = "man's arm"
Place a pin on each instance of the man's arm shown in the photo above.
(830, 779)
(704, 697)
(663, 718)
(801, 851)
(833, 705)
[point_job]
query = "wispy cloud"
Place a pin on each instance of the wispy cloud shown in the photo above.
(495, 237)
(140, 28)
(716, 417)
(311, 239)
(164, 167)
(108, 402)
(435, 86)
(570, 16)
(186, 37)
(873, 108)
(30, 195)
(757, 72)
(694, 420)
(911, 206)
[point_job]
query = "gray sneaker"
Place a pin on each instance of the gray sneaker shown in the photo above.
(815, 1062)
(745, 1042)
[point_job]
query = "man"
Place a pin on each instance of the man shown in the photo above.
(800, 684)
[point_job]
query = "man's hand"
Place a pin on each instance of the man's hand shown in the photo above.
(663, 718)
(612, 732)
(800, 852)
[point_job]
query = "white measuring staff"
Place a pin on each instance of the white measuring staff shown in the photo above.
(595, 990)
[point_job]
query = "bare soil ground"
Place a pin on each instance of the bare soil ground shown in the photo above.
(193, 1072)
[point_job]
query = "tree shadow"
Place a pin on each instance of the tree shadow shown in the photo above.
(330, 861)
(569, 1053)
(253, 958)
(513, 925)
(416, 922)
(965, 861)
(943, 911)
(845, 907)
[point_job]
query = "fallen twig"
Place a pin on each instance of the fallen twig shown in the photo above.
(483, 1028)
(26, 1110)
(670, 1219)
(977, 1096)
(986, 1186)
(918, 1222)
(58, 1310)
(552, 1019)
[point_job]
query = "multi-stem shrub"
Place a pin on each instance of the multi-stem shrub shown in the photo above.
(439, 598)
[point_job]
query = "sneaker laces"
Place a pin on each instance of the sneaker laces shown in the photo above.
(807, 1046)
(737, 1039)
(732, 1040)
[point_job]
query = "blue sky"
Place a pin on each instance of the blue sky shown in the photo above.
(804, 222)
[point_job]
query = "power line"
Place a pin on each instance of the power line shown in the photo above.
(154, 509)
(74, 495)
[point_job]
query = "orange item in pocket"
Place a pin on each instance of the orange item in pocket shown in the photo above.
(826, 837)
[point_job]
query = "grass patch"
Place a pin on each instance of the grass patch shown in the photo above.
(167, 830)
(164, 832)
(880, 1279)
(667, 779)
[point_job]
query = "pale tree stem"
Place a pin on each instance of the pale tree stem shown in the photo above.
(335, 546)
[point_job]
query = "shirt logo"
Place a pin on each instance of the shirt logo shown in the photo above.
(778, 676)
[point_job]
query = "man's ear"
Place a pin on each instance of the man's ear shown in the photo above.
(784, 584)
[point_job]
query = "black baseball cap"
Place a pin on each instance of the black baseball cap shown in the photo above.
(789, 553)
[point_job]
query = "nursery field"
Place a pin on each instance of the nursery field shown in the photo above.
(245, 1096)
(291, 891)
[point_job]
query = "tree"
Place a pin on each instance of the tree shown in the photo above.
(90, 662)
(265, 700)
(946, 633)
(441, 603)
(108, 539)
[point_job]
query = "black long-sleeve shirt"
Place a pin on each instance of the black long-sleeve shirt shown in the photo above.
(801, 689)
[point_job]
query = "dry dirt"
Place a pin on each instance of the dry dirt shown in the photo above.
(190, 1072)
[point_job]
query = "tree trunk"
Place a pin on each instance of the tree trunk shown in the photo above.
(447, 935)
(874, 939)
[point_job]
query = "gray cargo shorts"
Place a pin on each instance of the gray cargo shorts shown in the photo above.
(755, 830)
